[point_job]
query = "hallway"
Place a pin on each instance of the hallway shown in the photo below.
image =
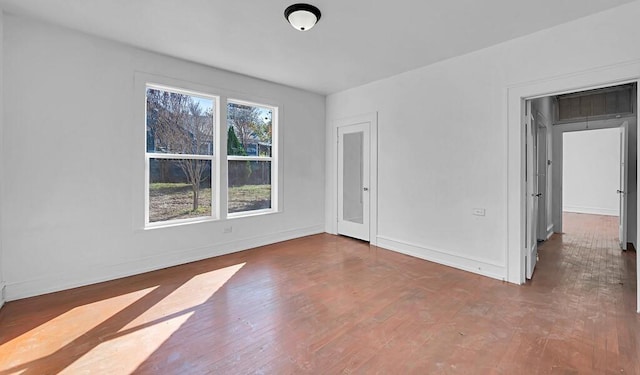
(588, 287)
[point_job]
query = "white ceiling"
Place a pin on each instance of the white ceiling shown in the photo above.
(355, 42)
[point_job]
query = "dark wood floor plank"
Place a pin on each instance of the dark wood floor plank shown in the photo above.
(327, 304)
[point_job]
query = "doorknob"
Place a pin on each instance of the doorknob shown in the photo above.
(619, 191)
(536, 195)
(365, 189)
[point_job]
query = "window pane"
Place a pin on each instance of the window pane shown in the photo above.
(249, 129)
(352, 177)
(249, 185)
(179, 123)
(179, 189)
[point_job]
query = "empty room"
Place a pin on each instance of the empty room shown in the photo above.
(330, 187)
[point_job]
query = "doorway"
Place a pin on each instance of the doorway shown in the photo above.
(515, 201)
(569, 138)
(595, 176)
(355, 179)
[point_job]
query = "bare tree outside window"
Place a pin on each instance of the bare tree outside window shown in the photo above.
(179, 124)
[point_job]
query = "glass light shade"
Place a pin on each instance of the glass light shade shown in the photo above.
(302, 20)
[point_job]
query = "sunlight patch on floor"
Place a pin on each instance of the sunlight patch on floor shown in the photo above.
(194, 292)
(123, 354)
(65, 328)
(125, 350)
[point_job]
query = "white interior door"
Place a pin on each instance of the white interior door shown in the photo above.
(541, 152)
(549, 224)
(353, 180)
(622, 191)
(531, 162)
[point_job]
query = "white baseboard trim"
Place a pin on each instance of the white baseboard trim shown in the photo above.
(478, 266)
(97, 274)
(549, 231)
(2, 294)
(591, 210)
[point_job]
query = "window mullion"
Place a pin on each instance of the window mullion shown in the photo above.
(152, 155)
(250, 158)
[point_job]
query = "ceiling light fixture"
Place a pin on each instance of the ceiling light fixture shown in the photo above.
(302, 16)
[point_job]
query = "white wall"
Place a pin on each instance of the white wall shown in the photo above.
(2, 283)
(72, 165)
(591, 172)
(443, 139)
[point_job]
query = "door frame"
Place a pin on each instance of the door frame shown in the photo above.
(531, 188)
(543, 182)
(332, 173)
(623, 190)
(516, 96)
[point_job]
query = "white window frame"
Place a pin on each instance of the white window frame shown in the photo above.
(215, 191)
(273, 159)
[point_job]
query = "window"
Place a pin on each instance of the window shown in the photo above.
(250, 151)
(183, 144)
(180, 155)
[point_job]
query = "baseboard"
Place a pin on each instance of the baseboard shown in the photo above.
(474, 265)
(97, 274)
(549, 231)
(591, 210)
(2, 294)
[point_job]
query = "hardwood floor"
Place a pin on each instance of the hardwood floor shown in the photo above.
(332, 305)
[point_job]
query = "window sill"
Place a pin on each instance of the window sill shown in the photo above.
(183, 222)
(236, 215)
(178, 223)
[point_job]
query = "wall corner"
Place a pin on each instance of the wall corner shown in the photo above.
(2, 283)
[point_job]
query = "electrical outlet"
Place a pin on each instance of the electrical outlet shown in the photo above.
(479, 211)
(228, 229)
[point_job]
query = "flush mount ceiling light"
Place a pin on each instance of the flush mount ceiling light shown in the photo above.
(302, 16)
